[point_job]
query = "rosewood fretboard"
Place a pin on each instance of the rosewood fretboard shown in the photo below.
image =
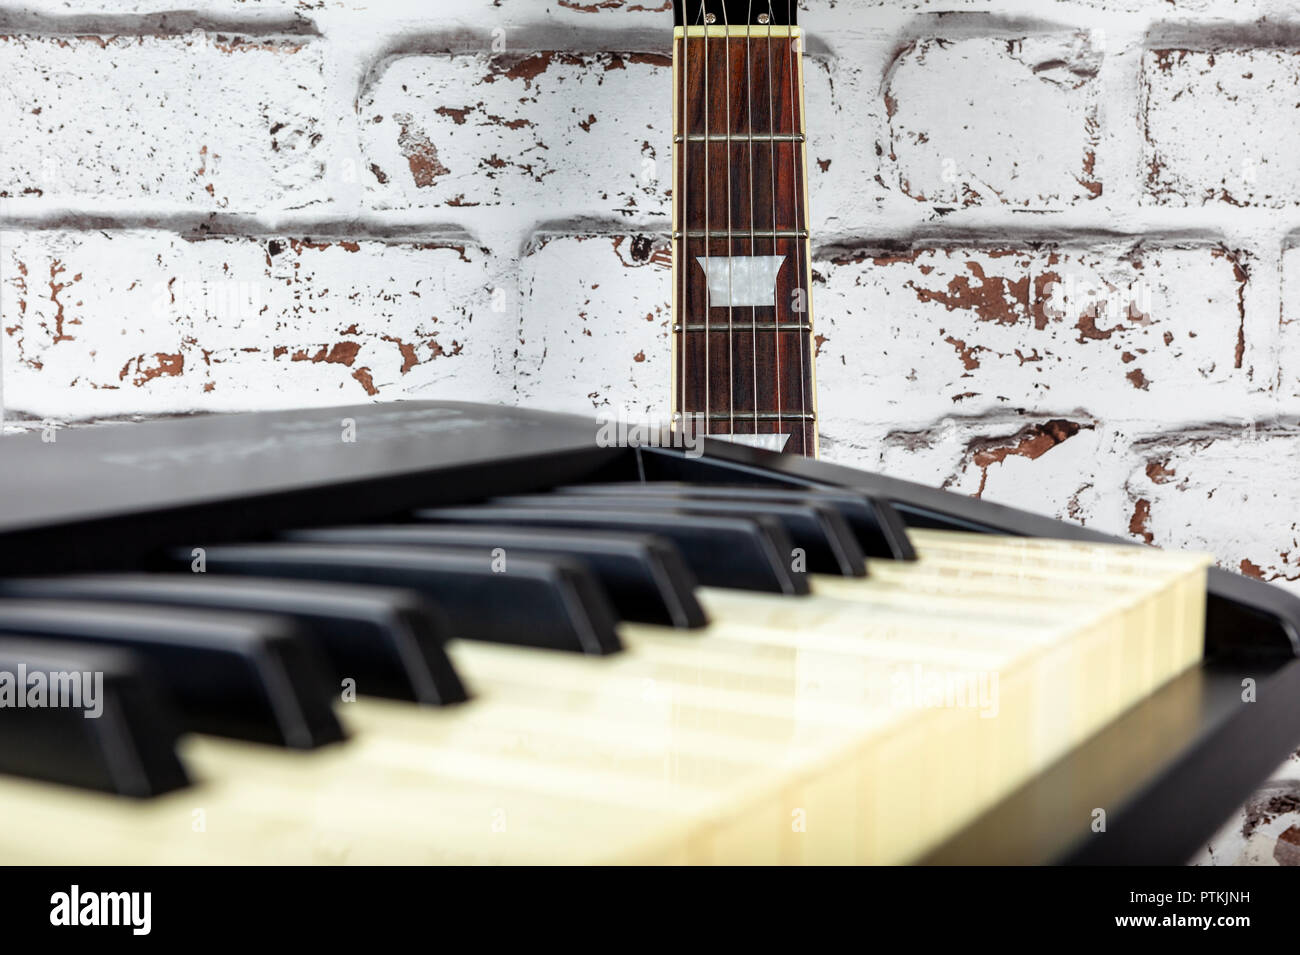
(743, 355)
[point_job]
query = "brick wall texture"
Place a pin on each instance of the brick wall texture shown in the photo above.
(1056, 257)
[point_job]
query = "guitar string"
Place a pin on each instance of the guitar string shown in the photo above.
(731, 260)
(685, 259)
(794, 186)
(683, 256)
(753, 250)
(771, 129)
(708, 161)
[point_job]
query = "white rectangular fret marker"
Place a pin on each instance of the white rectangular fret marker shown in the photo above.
(768, 442)
(741, 279)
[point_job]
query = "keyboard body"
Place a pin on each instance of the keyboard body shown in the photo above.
(114, 498)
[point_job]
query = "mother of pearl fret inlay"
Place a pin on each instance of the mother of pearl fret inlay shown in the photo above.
(767, 442)
(741, 279)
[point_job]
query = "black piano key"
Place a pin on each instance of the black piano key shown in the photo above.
(113, 729)
(879, 529)
(554, 603)
(645, 576)
(240, 675)
(820, 531)
(389, 641)
(751, 553)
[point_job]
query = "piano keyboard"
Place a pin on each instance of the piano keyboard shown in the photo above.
(482, 639)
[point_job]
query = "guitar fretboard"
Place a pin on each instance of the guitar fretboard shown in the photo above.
(743, 346)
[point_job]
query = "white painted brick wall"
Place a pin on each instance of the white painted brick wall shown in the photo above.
(1202, 490)
(1288, 365)
(570, 356)
(509, 128)
(1055, 245)
(1231, 104)
(143, 123)
(988, 120)
(1126, 331)
(112, 323)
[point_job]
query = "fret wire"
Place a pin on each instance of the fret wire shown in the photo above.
(794, 185)
(771, 125)
(684, 258)
(770, 416)
(683, 94)
(717, 138)
(757, 326)
(758, 234)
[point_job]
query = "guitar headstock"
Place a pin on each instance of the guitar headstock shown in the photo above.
(735, 12)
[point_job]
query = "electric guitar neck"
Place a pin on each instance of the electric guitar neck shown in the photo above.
(742, 329)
